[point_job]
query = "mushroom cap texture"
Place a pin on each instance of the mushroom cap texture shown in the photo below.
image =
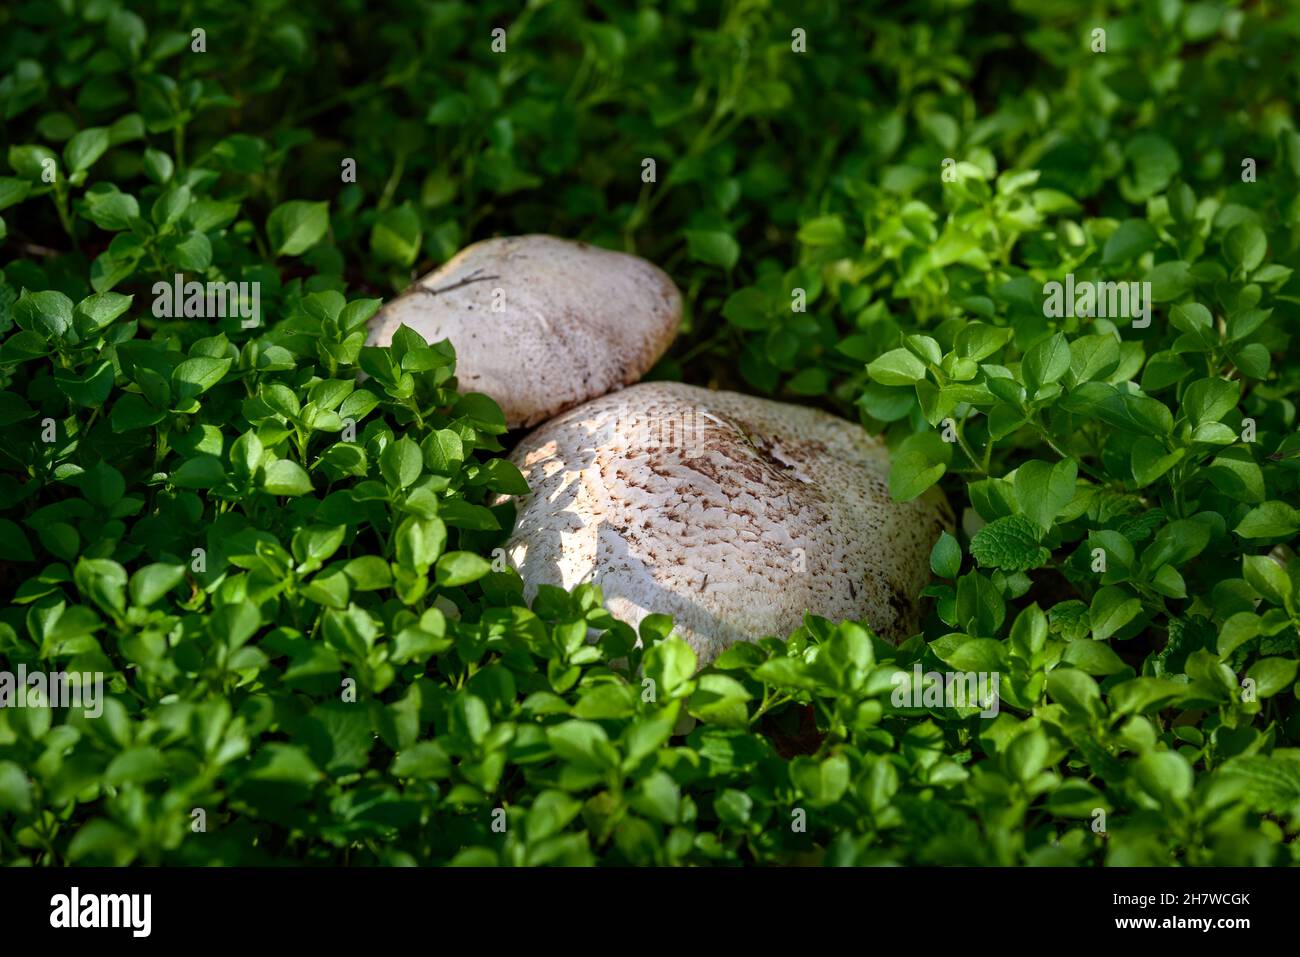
(540, 324)
(734, 514)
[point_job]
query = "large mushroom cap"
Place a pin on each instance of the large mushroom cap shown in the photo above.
(734, 514)
(540, 324)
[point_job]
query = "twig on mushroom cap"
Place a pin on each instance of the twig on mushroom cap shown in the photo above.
(456, 285)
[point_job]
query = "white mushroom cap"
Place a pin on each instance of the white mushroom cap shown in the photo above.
(538, 323)
(734, 514)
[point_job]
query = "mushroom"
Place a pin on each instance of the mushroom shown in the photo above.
(538, 323)
(734, 514)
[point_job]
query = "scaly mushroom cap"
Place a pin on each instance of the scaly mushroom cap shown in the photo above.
(734, 514)
(540, 324)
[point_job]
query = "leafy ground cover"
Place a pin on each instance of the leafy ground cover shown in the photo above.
(286, 575)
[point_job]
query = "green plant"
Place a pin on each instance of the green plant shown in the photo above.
(340, 674)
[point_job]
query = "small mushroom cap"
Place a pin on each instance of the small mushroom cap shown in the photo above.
(538, 323)
(734, 514)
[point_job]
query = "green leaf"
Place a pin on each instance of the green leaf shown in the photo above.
(1133, 238)
(111, 210)
(15, 789)
(314, 544)
(95, 312)
(90, 389)
(368, 573)
(1267, 577)
(1209, 400)
(919, 462)
(208, 215)
(443, 451)
(550, 813)
(13, 191)
(822, 782)
(581, 742)
(422, 761)
(980, 606)
(47, 313)
(126, 34)
(713, 247)
(897, 367)
(1169, 280)
(1272, 675)
(460, 568)
(746, 309)
(945, 556)
(977, 340)
(195, 376)
(1154, 163)
(201, 471)
(1245, 246)
(1112, 608)
(31, 162)
(420, 542)
(911, 474)
(822, 231)
(235, 624)
(85, 148)
(1235, 473)
(1028, 755)
(720, 699)
(1046, 362)
(191, 252)
(1075, 691)
(170, 206)
(134, 412)
(979, 655)
(605, 701)
(283, 477)
(1269, 520)
(1236, 631)
(483, 413)
(158, 166)
(296, 226)
(1094, 657)
(1165, 775)
(152, 582)
(1093, 357)
(137, 765)
(1269, 784)
(401, 463)
(395, 237)
(1009, 543)
(284, 764)
(669, 664)
(1176, 543)
(1029, 633)
(1043, 490)
(504, 476)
